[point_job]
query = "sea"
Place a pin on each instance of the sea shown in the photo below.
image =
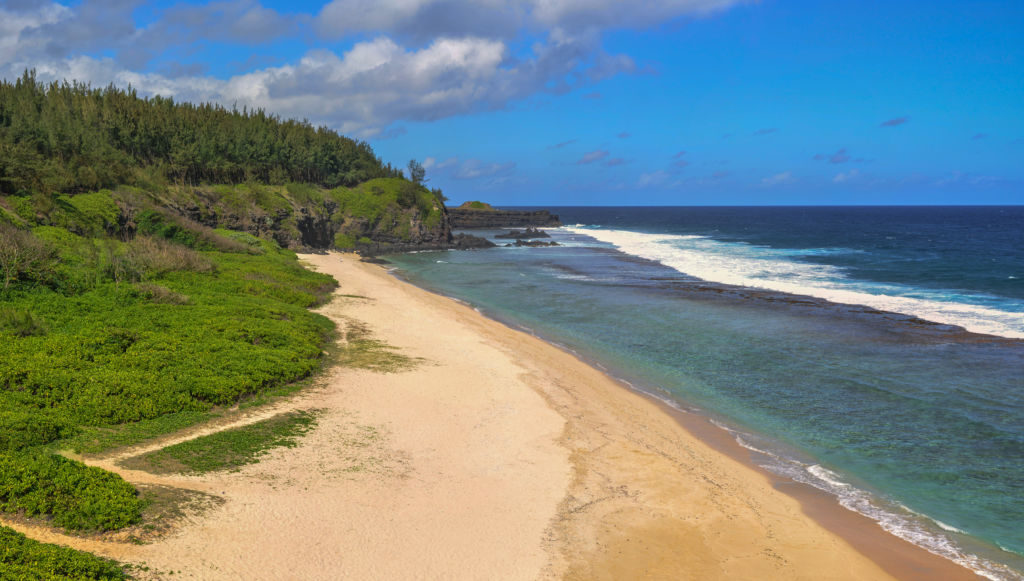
(875, 353)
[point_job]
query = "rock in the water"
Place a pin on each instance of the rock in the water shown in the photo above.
(533, 243)
(524, 234)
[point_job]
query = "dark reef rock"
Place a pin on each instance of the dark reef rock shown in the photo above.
(524, 234)
(456, 242)
(470, 242)
(374, 260)
(534, 243)
(462, 218)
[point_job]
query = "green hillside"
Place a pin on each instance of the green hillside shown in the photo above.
(147, 280)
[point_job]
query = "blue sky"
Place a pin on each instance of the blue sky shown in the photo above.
(556, 102)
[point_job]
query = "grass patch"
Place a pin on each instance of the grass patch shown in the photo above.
(229, 449)
(359, 349)
(96, 440)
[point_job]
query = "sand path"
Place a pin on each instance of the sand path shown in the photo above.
(498, 456)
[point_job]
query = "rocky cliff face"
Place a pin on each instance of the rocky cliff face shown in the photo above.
(465, 218)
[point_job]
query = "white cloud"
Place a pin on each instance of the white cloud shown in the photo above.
(778, 179)
(564, 19)
(17, 26)
(418, 60)
(845, 177)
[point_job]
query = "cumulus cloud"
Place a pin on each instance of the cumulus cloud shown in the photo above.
(43, 32)
(778, 179)
(411, 60)
(241, 21)
(19, 25)
(502, 18)
(592, 156)
(895, 122)
(374, 84)
(614, 162)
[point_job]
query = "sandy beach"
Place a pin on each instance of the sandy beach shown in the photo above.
(499, 456)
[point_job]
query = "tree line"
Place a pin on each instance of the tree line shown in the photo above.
(70, 137)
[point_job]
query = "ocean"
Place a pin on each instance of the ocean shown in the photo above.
(876, 353)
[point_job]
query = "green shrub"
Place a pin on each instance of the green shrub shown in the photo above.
(304, 194)
(24, 429)
(344, 241)
(23, 208)
(24, 558)
(181, 230)
(20, 323)
(161, 294)
(92, 214)
(254, 243)
(76, 496)
(157, 257)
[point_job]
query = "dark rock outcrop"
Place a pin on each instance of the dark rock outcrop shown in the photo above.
(534, 243)
(524, 234)
(463, 218)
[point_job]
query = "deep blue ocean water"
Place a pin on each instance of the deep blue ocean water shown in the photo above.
(829, 341)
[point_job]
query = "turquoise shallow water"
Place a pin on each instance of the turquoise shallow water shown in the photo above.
(918, 426)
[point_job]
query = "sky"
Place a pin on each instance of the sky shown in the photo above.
(593, 102)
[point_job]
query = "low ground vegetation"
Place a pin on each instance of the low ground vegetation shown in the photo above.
(228, 449)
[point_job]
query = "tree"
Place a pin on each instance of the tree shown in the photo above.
(417, 173)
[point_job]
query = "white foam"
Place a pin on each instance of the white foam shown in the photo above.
(906, 524)
(896, 518)
(770, 269)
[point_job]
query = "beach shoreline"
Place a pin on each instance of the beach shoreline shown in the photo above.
(498, 455)
(898, 558)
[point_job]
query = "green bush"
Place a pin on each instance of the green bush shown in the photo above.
(24, 558)
(76, 496)
(24, 429)
(92, 214)
(344, 241)
(20, 323)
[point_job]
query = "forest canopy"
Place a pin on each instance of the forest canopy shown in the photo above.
(70, 138)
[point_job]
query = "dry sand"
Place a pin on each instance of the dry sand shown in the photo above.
(497, 456)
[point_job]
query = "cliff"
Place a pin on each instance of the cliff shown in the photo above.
(379, 216)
